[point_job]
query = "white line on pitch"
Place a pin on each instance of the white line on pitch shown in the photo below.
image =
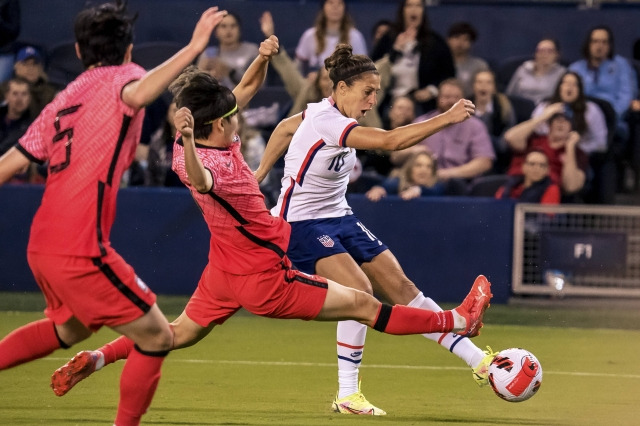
(381, 366)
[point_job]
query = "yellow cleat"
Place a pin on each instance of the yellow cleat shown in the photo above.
(481, 371)
(356, 403)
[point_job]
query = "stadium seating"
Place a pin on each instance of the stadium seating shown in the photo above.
(63, 64)
(150, 54)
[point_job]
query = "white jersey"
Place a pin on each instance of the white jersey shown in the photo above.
(317, 166)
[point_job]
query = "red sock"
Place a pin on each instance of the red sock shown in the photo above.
(401, 319)
(138, 383)
(117, 349)
(32, 341)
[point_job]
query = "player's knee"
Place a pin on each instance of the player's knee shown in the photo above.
(365, 304)
(403, 291)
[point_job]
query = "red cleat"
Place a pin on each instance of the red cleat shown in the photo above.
(473, 306)
(78, 368)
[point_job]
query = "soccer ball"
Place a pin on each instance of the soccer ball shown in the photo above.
(515, 375)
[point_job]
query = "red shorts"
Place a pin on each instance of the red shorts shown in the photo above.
(97, 291)
(279, 292)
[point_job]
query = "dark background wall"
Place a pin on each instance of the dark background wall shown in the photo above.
(442, 243)
(506, 29)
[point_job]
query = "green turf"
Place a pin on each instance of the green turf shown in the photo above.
(256, 371)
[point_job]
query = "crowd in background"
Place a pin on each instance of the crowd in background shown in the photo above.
(545, 131)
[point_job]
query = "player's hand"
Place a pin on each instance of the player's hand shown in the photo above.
(183, 120)
(205, 26)
(266, 24)
(269, 47)
(461, 110)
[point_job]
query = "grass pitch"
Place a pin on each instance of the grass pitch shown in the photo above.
(257, 371)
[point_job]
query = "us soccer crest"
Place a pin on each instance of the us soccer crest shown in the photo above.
(326, 241)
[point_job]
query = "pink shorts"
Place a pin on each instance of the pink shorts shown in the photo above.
(97, 291)
(279, 292)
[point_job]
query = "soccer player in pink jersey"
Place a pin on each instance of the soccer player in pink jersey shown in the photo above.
(88, 135)
(326, 236)
(248, 266)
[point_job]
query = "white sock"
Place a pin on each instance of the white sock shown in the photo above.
(100, 360)
(351, 336)
(458, 345)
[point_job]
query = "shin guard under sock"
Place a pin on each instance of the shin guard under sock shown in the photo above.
(402, 320)
(138, 383)
(32, 341)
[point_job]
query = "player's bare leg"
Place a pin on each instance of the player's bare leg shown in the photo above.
(389, 281)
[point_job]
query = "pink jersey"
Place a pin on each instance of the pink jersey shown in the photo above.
(89, 136)
(245, 238)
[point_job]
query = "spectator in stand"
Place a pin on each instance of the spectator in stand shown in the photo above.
(160, 155)
(534, 184)
(568, 164)
(606, 75)
(588, 119)
(535, 79)
(30, 66)
(418, 178)
(333, 25)
(496, 112)
(379, 29)
(228, 61)
(9, 32)
(464, 151)
(303, 90)
(401, 113)
(461, 37)
(15, 115)
(420, 58)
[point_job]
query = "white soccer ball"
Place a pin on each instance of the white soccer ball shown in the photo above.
(515, 374)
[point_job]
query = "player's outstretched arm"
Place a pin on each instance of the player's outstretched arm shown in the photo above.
(409, 135)
(142, 92)
(277, 145)
(256, 73)
(199, 177)
(12, 162)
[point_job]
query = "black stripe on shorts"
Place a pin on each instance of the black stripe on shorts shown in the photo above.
(117, 282)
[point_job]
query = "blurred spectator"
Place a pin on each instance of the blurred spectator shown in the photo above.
(15, 116)
(379, 29)
(30, 66)
(495, 111)
(374, 166)
(303, 90)
(401, 113)
(333, 26)
(461, 37)
(418, 178)
(160, 153)
(535, 79)
(568, 164)
(9, 32)
(588, 119)
(228, 61)
(606, 75)
(463, 151)
(420, 58)
(534, 184)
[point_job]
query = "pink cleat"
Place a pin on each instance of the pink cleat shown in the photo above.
(78, 368)
(473, 306)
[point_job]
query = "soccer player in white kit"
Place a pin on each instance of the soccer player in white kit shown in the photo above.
(326, 237)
